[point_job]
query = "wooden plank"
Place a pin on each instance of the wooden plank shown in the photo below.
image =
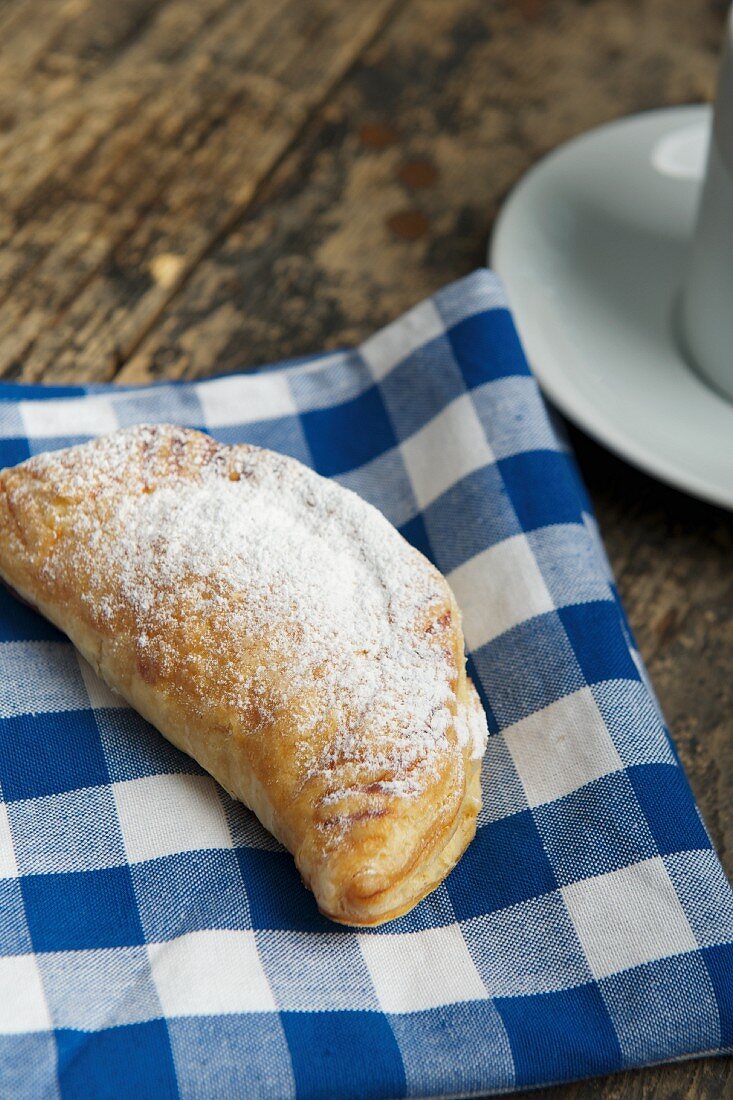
(711, 1079)
(395, 190)
(152, 153)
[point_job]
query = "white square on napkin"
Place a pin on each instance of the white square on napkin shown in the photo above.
(210, 972)
(628, 917)
(422, 969)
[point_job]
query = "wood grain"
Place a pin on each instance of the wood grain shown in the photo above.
(145, 144)
(342, 240)
(189, 186)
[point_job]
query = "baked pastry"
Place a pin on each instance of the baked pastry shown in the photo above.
(278, 629)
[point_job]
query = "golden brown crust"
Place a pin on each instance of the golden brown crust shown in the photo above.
(277, 629)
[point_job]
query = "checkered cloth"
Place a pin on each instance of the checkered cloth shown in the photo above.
(156, 942)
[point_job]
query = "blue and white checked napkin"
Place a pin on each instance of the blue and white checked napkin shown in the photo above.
(156, 942)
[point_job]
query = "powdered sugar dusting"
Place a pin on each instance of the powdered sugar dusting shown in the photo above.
(312, 581)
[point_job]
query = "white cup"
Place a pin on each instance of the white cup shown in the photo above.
(707, 297)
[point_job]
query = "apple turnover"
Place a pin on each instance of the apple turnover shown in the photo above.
(277, 628)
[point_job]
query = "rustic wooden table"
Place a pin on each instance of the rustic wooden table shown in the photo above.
(189, 186)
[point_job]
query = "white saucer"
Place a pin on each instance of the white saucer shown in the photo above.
(592, 245)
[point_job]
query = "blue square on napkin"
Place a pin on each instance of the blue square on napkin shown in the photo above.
(156, 942)
(485, 345)
(347, 436)
(277, 897)
(597, 637)
(13, 451)
(657, 787)
(317, 1044)
(547, 1036)
(135, 1060)
(484, 879)
(558, 502)
(82, 910)
(47, 753)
